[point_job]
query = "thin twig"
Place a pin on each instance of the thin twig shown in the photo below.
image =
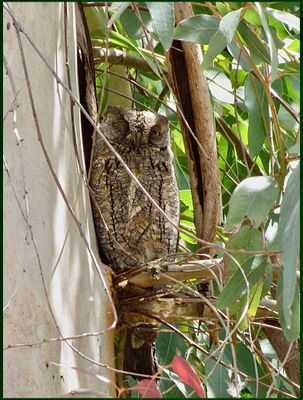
(197, 346)
(15, 104)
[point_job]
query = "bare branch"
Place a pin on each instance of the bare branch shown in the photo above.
(120, 57)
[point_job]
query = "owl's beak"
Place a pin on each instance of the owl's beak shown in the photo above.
(134, 139)
(137, 140)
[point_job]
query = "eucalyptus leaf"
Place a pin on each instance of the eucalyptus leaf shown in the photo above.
(252, 16)
(253, 42)
(229, 24)
(291, 20)
(246, 362)
(130, 45)
(294, 149)
(234, 49)
(180, 390)
(268, 278)
(291, 329)
(292, 67)
(186, 198)
(227, 28)
(132, 25)
(198, 29)
(236, 286)
(272, 47)
(216, 45)
(219, 85)
(255, 297)
(117, 9)
(294, 46)
(292, 84)
(187, 239)
(257, 105)
(247, 238)
(218, 379)
(95, 18)
(163, 18)
(289, 239)
(278, 42)
(167, 345)
(286, 120)
(253, 198)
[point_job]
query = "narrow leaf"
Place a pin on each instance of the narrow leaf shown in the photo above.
(257, 105)
(249, 365)
(255, 296)
(291, 329)
(234, 49)
(147, 388)
(163, 18)
(247, 238)
(236, 287)
(291, 20)
(252, 198)
(198, 29)
(218, 379)
(187, 374)
(118, 9)
(227, 28)
(272, 47)
(186, 197)
(289, 238)
(180, 391)
(253, 43)
(166, 346)
(132, 25)
(216, 45)
(229, 24)
(220, 85)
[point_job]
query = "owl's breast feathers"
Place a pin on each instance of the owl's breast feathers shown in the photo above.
(131, 230)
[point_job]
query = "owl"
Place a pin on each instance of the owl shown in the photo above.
(130, 230)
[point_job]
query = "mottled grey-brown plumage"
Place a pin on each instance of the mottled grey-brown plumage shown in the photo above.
(130, 230)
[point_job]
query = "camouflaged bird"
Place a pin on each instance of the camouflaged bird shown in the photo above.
(130, 230)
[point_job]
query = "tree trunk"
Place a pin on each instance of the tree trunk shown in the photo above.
(52, 288)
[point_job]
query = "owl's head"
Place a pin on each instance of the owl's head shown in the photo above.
(135, 129)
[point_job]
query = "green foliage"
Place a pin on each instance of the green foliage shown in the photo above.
(224, 35)
(253, 198)
(289, 240)
(163, 19)
(251, 63)
(199, 29)
(258, 113)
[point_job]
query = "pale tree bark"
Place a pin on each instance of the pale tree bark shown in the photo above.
(52, 287)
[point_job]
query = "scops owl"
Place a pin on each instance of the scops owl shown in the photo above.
(130, 230)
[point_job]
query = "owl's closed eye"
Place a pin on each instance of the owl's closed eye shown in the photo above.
(135, 129)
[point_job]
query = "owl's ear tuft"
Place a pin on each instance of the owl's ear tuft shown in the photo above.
(115, 117)
(117, 111)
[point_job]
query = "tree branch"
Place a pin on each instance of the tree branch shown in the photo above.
(115, 56)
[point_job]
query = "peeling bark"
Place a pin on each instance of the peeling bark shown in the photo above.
(191, 91)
